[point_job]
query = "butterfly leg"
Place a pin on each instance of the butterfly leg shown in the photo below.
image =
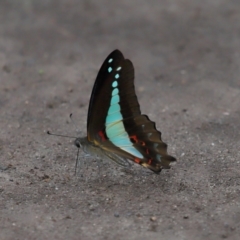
(78, 163)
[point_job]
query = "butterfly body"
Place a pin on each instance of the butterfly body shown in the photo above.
(99, 152)
(116, 129)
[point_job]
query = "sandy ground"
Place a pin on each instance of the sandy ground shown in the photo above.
(186, 55)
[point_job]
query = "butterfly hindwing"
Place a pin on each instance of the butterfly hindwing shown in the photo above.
(115, 123)
(147, 139)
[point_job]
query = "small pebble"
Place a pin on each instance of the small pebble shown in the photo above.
(153, 219)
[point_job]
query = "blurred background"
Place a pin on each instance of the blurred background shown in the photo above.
(186, 56)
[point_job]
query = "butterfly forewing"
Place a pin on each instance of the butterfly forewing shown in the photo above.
(115, 122)
(101, 95)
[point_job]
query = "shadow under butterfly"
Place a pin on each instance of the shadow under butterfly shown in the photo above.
(116, 129)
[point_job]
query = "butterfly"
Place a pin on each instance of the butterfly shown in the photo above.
(116, 129)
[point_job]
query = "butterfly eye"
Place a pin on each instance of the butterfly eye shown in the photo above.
(77, 143)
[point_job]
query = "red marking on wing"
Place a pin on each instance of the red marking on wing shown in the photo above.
(147, 151)
(134, 139)
(102, 135)
(149, 161)
(137, 160)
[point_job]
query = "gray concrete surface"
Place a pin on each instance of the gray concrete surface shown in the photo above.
(187, 62)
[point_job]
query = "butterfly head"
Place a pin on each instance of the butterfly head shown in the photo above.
(82, 143)
(88, 148)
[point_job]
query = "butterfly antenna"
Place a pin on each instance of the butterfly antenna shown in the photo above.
(71, 117)
(60, 135)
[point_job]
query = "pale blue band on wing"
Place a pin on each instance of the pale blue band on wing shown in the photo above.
(115, 129)
(115, 84)
(115, 91)
(114, 108)
(112, 118)
(115, 99)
